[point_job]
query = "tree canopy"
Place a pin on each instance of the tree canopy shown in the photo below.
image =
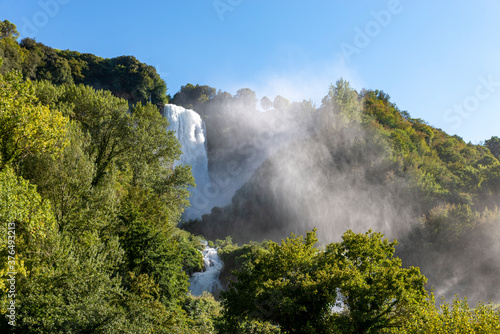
(91, 201)
(125, 76)
(355, 286)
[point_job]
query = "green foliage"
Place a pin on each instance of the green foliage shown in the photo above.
(26, 126)
(71, 288)
(443, 167)
(25, 220)
(202, 311)
(11, 55)
(124, 76)
(105, 119)
(295, 286)
(155, 253)
(21, 205)
(87, 178)
(105, 257)
(8, 30)
(376, 291)
(193, 97)
(342, 102)
(455, 318)
(251, 327)
(152, 151)
(493, 144)
(190, 251)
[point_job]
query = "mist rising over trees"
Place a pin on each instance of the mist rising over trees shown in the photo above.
(91, 204)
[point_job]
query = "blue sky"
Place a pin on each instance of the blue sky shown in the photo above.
(440, 61)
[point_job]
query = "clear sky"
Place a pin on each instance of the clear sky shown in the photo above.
(439, 60)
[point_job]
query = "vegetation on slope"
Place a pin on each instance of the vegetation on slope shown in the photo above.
(90, 201)
(124, 76)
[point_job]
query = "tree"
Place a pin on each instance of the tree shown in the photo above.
(455, 318)
(247, 98)
(114, 262)
(26, 126)
(285, 286)
(153, 251)
(342, 100)
(295, 286)
(67, 182)
(124, 76)
(8, 30)
(265, 103)
(24, 221)
(493, 144)
(104, 118)
(280, 103)
(202, 311)
(153, 150)
(11, 54)
(194, 97)
(376, 291)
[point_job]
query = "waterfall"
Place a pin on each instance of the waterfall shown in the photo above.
(190, 131)
(207, 280)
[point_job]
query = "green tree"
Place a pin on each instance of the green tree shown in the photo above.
(493, 144)
(295, 286)
(285, 286)
(67, 182)
(155, 253)
(8, 30)
(24, 221)
(153, 150)
(11, 54)
(194, 97)
(124, 76)
(70, 287)
(458, 317)
(26, 126)
(376, 291)
(202, 311)
(105, 119)
(114, 262)
(342, 100)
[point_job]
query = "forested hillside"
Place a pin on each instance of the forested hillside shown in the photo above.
(91, 201)
(124, 76)
(373, 166)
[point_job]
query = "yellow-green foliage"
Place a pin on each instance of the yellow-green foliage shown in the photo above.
(201, 312)
(22, 205)
(456, 317)
(24, 218)
(26, 126)
(442, 166)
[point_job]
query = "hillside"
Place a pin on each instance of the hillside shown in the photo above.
(125, 76)
(91, 201)
(373, 166)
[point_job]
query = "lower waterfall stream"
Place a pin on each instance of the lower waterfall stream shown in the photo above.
(207, 280)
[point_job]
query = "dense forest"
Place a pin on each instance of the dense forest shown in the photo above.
(91, 202)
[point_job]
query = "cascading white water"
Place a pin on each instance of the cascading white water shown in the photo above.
(207, 280)
(191, 133)
(190, 130)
